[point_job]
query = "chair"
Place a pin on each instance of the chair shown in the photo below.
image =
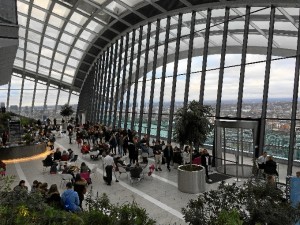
(74, 159)
(136, 174)
(93, 171)
(121, 169)
(65, 177)
(45, 165)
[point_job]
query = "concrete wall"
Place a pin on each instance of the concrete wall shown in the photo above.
(22, 151)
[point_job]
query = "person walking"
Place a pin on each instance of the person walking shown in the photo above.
(108, 162)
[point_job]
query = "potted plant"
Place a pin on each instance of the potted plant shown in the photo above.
(191, 128)
(66, 111)
(28, 138)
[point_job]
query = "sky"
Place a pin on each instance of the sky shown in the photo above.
(281, 81)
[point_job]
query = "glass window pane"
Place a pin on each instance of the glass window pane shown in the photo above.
(72, 29)
(58, 66)
(15, 92)
(4, 87)
(63, 98)
(45, 62)
(33, 47)
(55, 21)
(281, 90)
(42, 3)
(22, 20)
(131, 3)
(33, 36)
(55, 75)
(31, 66)
(19, 63)
(49, 42)
(3, 96)
(63, 48)
(195, 79)
(73, 62)
(52, 96)
(70, 71)
(31, 57)
(21, 43)
(230, 88)
(52, 32)
(36, 25)
(85, 35)
(67, 79)
(77, 18)
(60, 10)
(60, 57)
(22, 7)
(28, 92)
(277, 139)
(40, 95)
(20, 54)
(38, 14)
(93, 26)
(76, 53)
(253, 87)
(67, 38)
(81, 44)
(74, 101)
(22, 32)
(43, 71)
(46, 52)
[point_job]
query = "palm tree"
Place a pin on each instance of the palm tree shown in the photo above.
(192, 125)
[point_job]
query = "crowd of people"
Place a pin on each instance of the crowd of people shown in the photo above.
(114, 145)
(70, 199)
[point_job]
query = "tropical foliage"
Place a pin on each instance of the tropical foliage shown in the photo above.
(23, 208)
(192, 125)
(252, 203)
(66, 110)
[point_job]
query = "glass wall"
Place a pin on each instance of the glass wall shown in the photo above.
(234, 61)
(33, 94)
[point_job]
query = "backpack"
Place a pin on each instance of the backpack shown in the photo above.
(53, 169)
(68, 204)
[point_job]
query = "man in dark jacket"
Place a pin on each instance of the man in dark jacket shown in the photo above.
(168, 154)
(205, 161)
(271, 166)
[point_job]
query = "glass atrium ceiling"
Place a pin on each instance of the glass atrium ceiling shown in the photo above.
(59, 40)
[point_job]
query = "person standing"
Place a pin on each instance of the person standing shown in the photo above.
(4, 138)
(157, 151)
(108, 164)
(168, 154)
(205, 161)
(70, 135)
(80, 187)
(261, 161)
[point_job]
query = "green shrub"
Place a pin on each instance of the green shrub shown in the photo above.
(253, 203)
(23, 208)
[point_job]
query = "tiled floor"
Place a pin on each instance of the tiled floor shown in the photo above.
(157, 194)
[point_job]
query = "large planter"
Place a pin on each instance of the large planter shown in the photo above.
(191, 181)
(24, 151)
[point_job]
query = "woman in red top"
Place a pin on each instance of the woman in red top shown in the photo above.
(85, 148)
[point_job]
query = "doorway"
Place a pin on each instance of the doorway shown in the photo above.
(235, 146)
